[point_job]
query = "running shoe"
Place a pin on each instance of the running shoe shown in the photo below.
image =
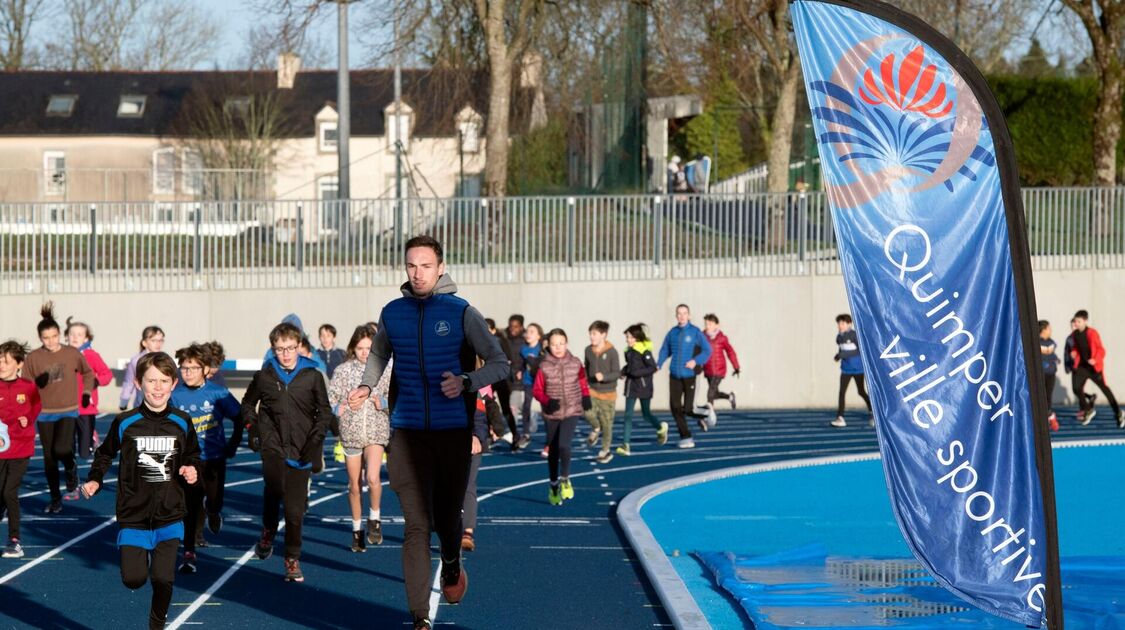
(686, 443)
(188, 565)
(374, 531)
(554, 495)
(838, 423)
(421, 623)
(338, 452)
(1053, 421)
(592, 439)
(525, 439)
(546, 452)
(54, 507)
(712, 419)
(507, 437)
(454, 581)
(72, 479)
(467, 542)
(604, 457)
(662, 434)
(293, 570)
(214, 522)
(200, 541)
(72, 496)
(13, 549)
(1121, 419)
(733, 404)
(703, 425)
(1088, 417)
(97, 439)
(624, 450)
(566, 490)
(264, 548)
(871, 421)
(359, 542)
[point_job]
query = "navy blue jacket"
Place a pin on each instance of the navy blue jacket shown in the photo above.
(682, 344)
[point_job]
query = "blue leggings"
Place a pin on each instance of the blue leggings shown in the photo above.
(646, 411)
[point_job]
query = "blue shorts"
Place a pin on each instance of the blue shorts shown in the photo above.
(149, 538)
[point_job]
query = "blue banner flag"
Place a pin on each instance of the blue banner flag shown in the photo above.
(921, 179)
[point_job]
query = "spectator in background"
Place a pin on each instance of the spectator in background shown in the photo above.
(328, 353)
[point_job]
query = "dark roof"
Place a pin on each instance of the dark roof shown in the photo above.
(435, 96)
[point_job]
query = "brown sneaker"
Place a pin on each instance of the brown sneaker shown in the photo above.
(454, 581)
(467, 542)
(293, 570)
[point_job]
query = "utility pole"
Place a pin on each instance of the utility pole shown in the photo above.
(400, 213)
(343, 106)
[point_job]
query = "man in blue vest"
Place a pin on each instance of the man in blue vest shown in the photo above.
(435, 338)
(688, 349)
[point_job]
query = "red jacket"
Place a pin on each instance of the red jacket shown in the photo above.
(18, 398)
(102, 377)
(717, 364)
(1097, 352)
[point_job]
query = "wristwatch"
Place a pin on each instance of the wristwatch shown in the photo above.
(466, 382)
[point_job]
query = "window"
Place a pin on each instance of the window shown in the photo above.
(470, 137)
(131, 106)
(470, 186)
(328, 191)
(164, 171)
(328, 188)
(329, 136)
(237, 105)
(61, 105)
(54, 172)
(192, 177)
(401, 130)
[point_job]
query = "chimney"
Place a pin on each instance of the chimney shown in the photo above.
(288, 65)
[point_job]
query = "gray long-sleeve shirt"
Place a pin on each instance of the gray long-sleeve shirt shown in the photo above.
(483, 343)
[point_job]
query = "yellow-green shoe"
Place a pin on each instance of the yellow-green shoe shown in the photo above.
(624, 450)
(566, 490)
(554, 496)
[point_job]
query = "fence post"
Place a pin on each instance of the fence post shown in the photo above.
(802, 225)
(484, 227)
(300, 238)
(92, 244)
(570, 210)
(657, 231)
(197, 254)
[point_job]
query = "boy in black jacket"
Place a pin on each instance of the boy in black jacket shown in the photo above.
(157, 443)
(287, 413)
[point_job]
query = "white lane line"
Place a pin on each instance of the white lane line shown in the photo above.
(55, 551)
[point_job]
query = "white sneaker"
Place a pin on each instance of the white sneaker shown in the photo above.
(1121, 419)
(712, 419)
(871, 422)
(592, 439)
(686, 443)
(1089, 416)
(507, 437)
(839, 422)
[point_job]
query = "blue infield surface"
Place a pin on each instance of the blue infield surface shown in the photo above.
(535, 566)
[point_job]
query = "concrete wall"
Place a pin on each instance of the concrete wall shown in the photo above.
(782, 328)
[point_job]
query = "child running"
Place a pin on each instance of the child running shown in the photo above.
(79, 335)
(287, 414)
(603, 368)
(328, 353)
(715, 370)
(639, 367)
(208, 405)
(215, 355)
(364, 433)
(19, 409)
(53, 368)
(1050, 369)
(851, 366)
(152, 340)
(1087, 359)
(530, 354)
(157, 444)
(560, 387)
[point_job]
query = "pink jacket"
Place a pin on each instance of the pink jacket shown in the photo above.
(102, 377)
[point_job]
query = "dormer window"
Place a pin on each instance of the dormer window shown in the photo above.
(328, 135)
(239, 105)
(61, 105)
(398, 127)
(470, 136)
(131, 106)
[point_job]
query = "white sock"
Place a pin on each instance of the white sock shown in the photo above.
(356, 525)
(372, 514)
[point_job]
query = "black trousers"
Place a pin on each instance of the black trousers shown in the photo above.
(136, 569)
(683, 403)
(1083, 374)
(560, 433)
(713, 392)
(284, 485)
(57, 439)
(212, 479)
(1049, 381)
(429, 471)
(84, 435)
(11, 474)
(503, 391)
(859, 384)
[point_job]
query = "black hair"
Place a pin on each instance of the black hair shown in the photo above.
(844, 317)
(491, 323)
(1043, 324)
(47, 312)
(1082, 314)
(637, 331)
(711, 317)
(15, 349)
(515, 318)
(329, 327)
(425, 240)
(306, 345)
(600, 326)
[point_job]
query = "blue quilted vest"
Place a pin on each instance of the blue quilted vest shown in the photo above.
(427, 338)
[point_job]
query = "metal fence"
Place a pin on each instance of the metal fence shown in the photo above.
(66, 248)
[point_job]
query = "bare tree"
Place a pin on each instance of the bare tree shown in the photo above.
(263, 45)
(984, 29)
(1104, 21)
(176, 34)
(95, 34)
(16, 20)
